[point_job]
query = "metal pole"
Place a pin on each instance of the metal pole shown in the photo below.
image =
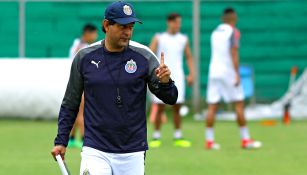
(22, 28)
(196, 53)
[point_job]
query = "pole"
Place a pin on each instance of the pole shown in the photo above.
(196, 53)
(21, 28)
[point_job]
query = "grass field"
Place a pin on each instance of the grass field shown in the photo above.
(25, 150)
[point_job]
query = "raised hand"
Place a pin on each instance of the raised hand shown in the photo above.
(162, 72)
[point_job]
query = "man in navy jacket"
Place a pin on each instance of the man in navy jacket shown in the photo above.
(114, 74)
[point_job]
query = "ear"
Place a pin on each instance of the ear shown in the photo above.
(105, 25)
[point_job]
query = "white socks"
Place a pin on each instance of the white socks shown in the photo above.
(177, 134)
(244, 133)
(209, 134)
(156, 134)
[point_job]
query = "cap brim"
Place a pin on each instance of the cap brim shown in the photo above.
(124, 21)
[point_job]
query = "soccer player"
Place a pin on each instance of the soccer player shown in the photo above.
(114, 74)
(174, 44)
(89, 36)
(224, 79)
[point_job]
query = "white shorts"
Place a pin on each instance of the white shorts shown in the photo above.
(219, 89)
(180, 84)
(95, 162)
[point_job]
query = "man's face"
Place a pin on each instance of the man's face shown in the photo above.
(174, 25)
(90, 36)
(119, 35)
(230, 18)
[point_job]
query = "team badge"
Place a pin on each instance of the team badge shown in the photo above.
(131, 66)
(127, 10)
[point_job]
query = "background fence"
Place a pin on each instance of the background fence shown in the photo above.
(273, 32)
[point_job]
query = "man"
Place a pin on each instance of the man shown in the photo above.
(89, 35)
(224, 79)
(174, 44)
(114, 74)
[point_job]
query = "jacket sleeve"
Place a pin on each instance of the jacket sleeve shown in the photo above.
(70, 104)
(167, 92)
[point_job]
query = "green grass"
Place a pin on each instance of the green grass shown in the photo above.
(25, 149)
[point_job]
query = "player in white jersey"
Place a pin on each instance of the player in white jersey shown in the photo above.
(89, 36)
(174, 45)
(224, 79)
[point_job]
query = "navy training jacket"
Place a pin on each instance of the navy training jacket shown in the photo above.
(99, 73)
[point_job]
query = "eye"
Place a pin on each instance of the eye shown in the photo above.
(129, 26)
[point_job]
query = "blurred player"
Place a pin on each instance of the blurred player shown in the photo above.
(224, 79)
(89, 35)
(174, 44)
(114, 74)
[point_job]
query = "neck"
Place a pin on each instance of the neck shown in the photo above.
(171, 32)
(111, 48)
(230, 23)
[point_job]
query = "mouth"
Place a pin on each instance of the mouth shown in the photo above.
(125, 39)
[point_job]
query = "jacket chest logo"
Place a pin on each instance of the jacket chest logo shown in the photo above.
(96, 64)
(131, 66)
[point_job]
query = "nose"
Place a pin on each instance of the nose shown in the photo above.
(127, 31)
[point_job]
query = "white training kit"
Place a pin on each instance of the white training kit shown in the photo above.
(77, 45)
(222, 75)
(95, 162)
(173, 47)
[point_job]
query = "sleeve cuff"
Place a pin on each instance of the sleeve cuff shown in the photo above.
(170, 83)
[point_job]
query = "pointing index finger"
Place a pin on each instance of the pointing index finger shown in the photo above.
(162, 58)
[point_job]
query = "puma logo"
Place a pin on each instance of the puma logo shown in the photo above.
(97, 64)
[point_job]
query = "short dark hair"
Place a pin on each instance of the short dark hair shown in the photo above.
(173, 16)
(229, 10)
(111, 22)
(89, 28)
